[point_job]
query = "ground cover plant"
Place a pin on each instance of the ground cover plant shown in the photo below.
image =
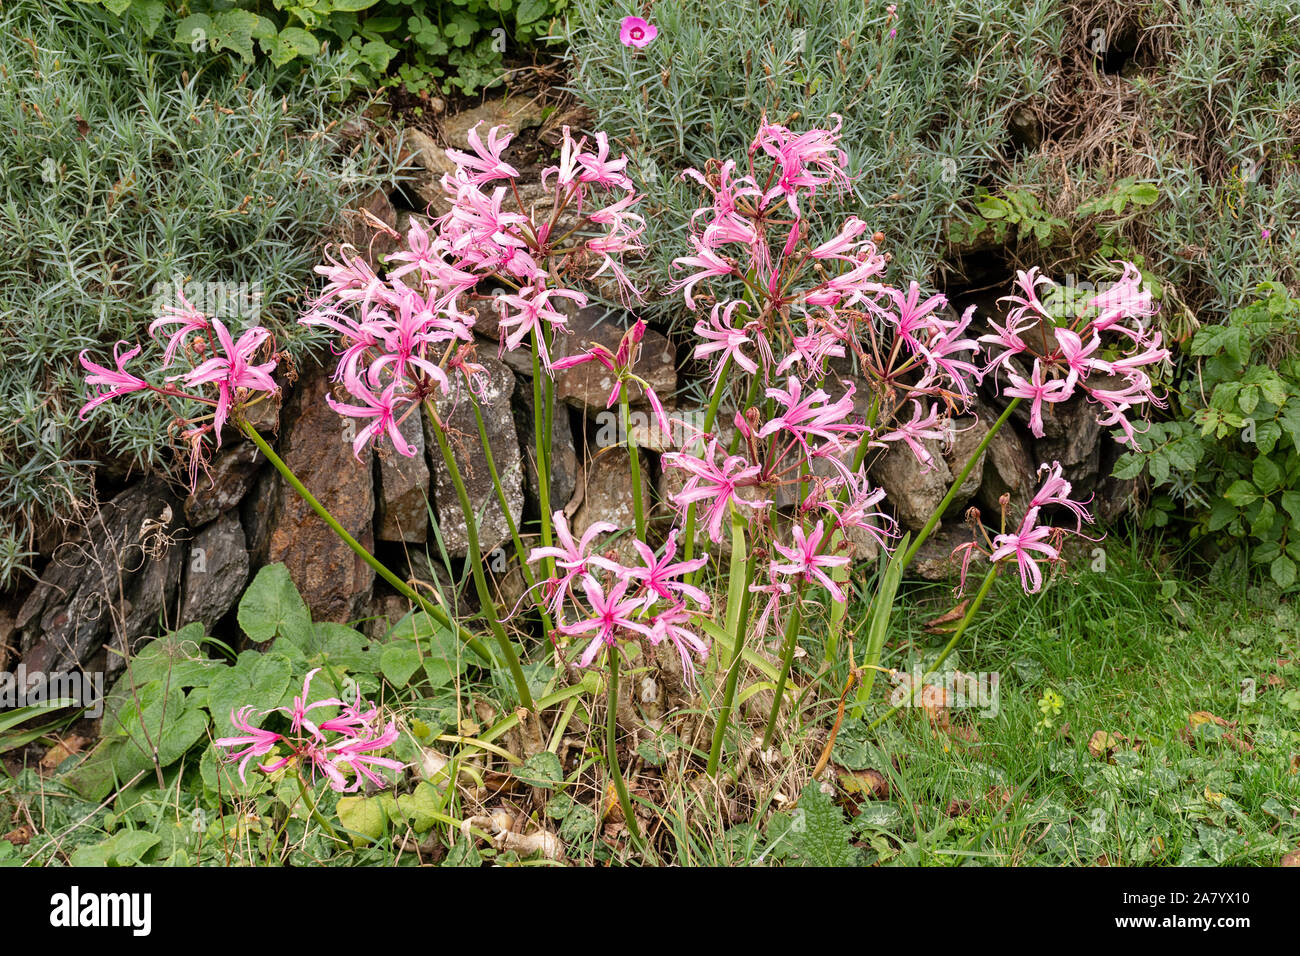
(134, 172)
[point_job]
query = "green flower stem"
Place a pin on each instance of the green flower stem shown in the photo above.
(787, 661)
(541, 439)
(520, 552)
(840, 575)
(611, 750)
(315, 811)
(738, 596)
(435, 612)
(720, 386)
(634, 457)
(474, 557)
(933, 523)
(956, 636)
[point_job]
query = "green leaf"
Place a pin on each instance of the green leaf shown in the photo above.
(149, 14)
(234, 30)
(541, 770)
(423, 807)
(272, 605)
(303, 43)
(257, 679)
(351, 6)
(194, 31)
(1283, 570)
(365, 817)
(530, 10)
(399, 661)
(1241, 493)
(1266, 475)
(818, 834)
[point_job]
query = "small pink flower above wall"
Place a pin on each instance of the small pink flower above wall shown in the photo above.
(634, 31)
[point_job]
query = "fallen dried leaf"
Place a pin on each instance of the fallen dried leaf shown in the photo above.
(1292, 858)
(868, 783)
(1102, 744)
(21, 836)
(62, 750)
(935, 625)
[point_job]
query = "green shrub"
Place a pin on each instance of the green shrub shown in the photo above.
(411, 42)
(1231, 456)
(975, 105)
(125, 166)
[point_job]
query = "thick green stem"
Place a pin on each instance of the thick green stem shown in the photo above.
(313, 809)
(634, 457)
(474, 557)
(709, 417)
(520, 553)
(611, 751)
(956, 636)
(435, 612)
(960, 480)
(738, 595)
(542, 443)
(787, 661)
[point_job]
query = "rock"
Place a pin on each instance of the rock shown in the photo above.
(462, 434)
(359, 227)
(404, 487)
(257, 513)
(1077, 447)
(231, 474)
(216, 572)
(429, 163)
(934, 560)
(1009, 469)
(911, 488)
(605, 490)
(564, 454)
(385, 610)
(317, 447)
(587, 386)
(111, 581)
(966, 433)
(515, 113)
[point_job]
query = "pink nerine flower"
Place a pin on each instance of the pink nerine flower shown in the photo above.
(806, 560)
(571, 557)
(1022, 545)
(380, 409)
(635, 32)
(486, 164)
(659, 575)
(255, 741)
(119, 382)
(715, 484)
(234, 370)
(1038, 391)
(610, 613)
(187, 317)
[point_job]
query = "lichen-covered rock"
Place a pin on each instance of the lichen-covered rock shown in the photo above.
(914, 490)
(1009, 469)
(461, 426)
(588, 386)
(110, 582)
(404, 487)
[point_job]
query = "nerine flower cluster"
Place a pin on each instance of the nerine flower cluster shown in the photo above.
(342, 748)
(785, 303)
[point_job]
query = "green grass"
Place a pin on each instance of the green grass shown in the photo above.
(1132, 651)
